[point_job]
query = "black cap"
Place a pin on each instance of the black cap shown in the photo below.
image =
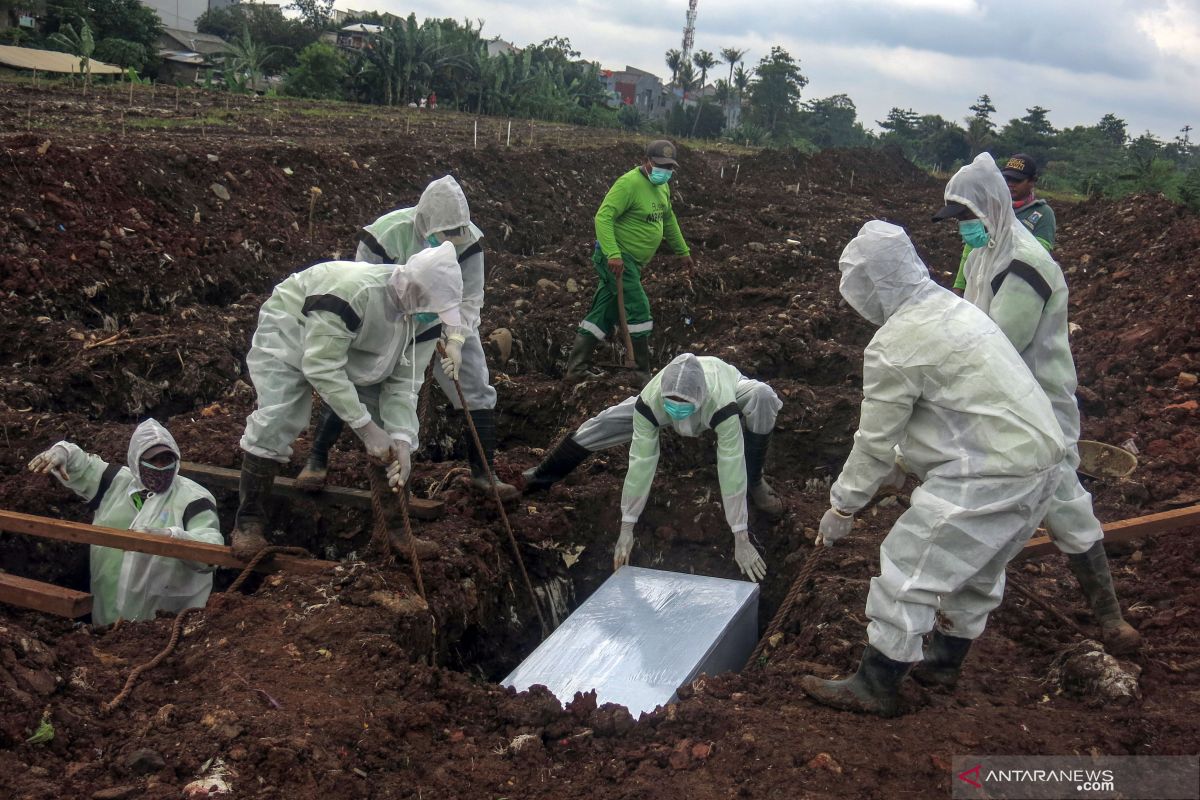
(662, 153)
(951, 210)
(1020, 167)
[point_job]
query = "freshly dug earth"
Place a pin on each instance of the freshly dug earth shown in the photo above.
(130, 288)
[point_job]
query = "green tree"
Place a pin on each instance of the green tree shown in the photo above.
(125, 32)
(265, 23)
(704, 61)
(246, 61)
(731, 56)
(316, 15)
(674, 60)
(832, 122)
(78, 43)
(775, 92)
(320, 73)
(1113, 129)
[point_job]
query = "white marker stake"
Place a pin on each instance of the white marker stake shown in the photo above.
(508, 141)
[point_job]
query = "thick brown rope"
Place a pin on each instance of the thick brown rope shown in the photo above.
(785, 608)
(483, 459)
(381, 539)
(181, 617)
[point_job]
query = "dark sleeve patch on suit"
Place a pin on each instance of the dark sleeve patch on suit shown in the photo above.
(334, 304)
(474, 249)
(431, 334)
(106, 480)
(367, 238)
(643, 409)
(1026, 273)
(195, 507)
(723, 413)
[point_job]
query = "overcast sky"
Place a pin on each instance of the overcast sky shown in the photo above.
(1139, 59)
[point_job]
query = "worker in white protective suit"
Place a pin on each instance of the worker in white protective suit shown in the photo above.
(147, 495)
(441, 215)
(347, 330)
(944, 390)
(1016, 282)
(691, 395)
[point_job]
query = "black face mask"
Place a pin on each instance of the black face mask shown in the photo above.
(156, 479)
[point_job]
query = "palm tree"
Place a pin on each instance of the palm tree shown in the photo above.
(80, 43)
(741, 82)
(704, 61)
(674, 62)
(731, 56)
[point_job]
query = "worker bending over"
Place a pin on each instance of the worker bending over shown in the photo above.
(347, 330)
(691, 395)
(944, 390)
(440, 215)
(146, 495)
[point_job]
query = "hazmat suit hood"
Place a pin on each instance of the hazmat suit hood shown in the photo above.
(148, 435)
(684, 378)
(431, 281)
(881, 271)
(442, 206)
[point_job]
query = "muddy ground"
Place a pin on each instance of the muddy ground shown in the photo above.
(134, 259)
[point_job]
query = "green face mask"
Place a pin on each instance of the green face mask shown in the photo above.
(973, 233)
(425, 317)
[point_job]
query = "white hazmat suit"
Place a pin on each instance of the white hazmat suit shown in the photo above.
(346, 329)
(133, 586)
(942, 387)
(1020, 286)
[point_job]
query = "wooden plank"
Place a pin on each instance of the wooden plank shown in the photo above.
(46, 597)
(332, 495)
(1123, 531)
(82, 533)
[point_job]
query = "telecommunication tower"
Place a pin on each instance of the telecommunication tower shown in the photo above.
(689, 33)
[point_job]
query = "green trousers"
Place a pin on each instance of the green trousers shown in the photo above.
(602, 319)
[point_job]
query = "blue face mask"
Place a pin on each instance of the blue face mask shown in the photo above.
(677, 411)
(433, 240)
(425, 317)
(973, 232)
(659, 176)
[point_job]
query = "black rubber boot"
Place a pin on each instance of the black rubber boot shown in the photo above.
(641, 357)
(557, 465)
(581, 357)
(761, 493)
(254, 489)
(485, 426)
(943, 660)
(873, 689)
(1091, 570)
(325, 434)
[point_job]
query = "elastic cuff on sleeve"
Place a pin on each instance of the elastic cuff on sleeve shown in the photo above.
(740, 529)
(628, 518)
(404, 436)
(363, 420)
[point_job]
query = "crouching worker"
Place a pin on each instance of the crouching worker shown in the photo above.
(691, 395)
(943, 387)
(347, 330)
(146, 495)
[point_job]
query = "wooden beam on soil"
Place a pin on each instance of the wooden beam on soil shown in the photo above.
(47, 597)
(1124, 530)
(138, 542)
(223, 478)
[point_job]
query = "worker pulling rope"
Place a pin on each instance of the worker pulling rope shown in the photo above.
(512, 540)
(381, 541)
(181, 617)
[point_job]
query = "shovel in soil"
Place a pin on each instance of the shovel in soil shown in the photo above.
(1099, 460)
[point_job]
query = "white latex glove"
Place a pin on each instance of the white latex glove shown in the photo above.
(835, 525)
(400, 468)
(624, 546)
(51, 462)
(895, 480)
(377, 442)
(452, 362)
(748, 560)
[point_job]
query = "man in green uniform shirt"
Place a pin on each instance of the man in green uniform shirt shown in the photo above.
(633, 219)
(1020, 173)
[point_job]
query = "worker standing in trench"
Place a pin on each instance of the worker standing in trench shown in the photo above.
(148, 495)
(347, 330)
(440, 215)
(1014, 280)
(631, 223)
(946, 392)
(690, 395)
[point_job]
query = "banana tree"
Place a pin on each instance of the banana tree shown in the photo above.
(79, 43)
